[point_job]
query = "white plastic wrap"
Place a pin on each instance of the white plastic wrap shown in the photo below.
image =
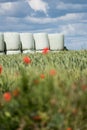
(13, 52)
(41, 41)
(28, 51)
(56, 41)
(1, 42)
(27, 41)
(2, 53)
(12, 40)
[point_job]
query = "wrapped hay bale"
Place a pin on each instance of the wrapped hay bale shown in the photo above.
(1, 53)
(13, 52)
(27, 42)
(12, 41)
(41, 41)
(28, 51)
(2, 45)
(56, 41)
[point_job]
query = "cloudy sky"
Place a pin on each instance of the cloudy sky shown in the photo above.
(51, 16)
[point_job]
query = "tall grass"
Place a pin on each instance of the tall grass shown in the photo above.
(48, 93)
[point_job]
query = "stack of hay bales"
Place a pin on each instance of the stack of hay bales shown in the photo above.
(41, 41)
(2, 45)
(56, 41)
(15, 43)
(12, 40)
(27, 42)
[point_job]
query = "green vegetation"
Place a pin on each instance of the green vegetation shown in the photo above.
(43, 91)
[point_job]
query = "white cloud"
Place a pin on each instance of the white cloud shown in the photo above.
(38, 5)
(40, 20)
(9, 8)
(74, 29)
(68, 29)
(17, 9)
(70, 17)
(64, 6)
(5, 7)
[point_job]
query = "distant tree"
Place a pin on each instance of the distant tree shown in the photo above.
(65, 48)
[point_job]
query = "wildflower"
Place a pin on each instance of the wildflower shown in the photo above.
(84, 87)
(37, 118)
(0, 69)
(36, 81)
(26, 60)
(74, 111)
(45, 50)
(42, 76)
(52, 72)
(16, 92)
(7, 96)
(69, 128)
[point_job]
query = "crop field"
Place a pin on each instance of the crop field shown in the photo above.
(43, 91)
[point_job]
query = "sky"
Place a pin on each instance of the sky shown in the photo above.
(50, 16)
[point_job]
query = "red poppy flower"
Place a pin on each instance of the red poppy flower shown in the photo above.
(69, 128)
(45, 50)
(26, 60)
(7, 96)
(37, 118)
(84, 87)
(36, 81)
(16, 92)
(0, 69)
(74, 111)
(42, 76)
(52, 72)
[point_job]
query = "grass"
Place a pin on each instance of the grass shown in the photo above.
(48, 93)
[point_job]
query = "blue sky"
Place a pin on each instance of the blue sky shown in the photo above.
(51, 16)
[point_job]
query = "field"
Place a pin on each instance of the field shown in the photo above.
(43, 91)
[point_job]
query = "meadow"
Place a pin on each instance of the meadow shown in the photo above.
(43, 91)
